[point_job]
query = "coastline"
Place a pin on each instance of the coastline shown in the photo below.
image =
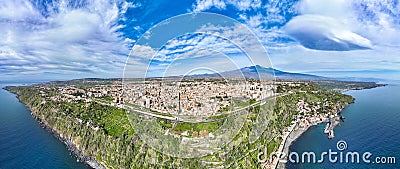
(81, 157)
(299, 131)
(294, 136)
(296, 133)
(291, 135)
(71, 146)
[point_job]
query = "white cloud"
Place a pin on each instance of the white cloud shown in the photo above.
(300, 59)
(216, 47)
(376, 20)
(324, 33)
(379, 20)
(340, 9)
(85, 41)
(244, 5)
(326, 25)
(18, 10)
(80, 39)
(202, 5)
(195, 45)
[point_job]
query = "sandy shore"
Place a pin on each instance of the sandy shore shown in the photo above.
(293, 136)
(297, 132)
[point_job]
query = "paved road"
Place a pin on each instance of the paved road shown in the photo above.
(129, 108)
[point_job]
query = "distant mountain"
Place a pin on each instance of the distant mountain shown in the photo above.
(254, 72)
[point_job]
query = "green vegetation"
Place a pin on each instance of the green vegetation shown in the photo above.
(211, 126)
(347, 85)
(107, 98)
(104, 132)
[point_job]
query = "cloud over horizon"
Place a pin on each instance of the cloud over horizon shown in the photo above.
(324, 33)
(61, 38)
(92, 38)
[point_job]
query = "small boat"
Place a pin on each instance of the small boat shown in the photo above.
(326, 130)
(342, 118)
(331, 134)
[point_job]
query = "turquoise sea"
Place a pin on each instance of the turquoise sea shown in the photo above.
(24, 144)
(372, 124)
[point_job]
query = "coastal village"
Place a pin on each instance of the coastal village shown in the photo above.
(188, 98)
(196, 98)
(300, 125)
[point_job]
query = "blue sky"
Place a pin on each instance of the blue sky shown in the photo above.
(49, 40)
